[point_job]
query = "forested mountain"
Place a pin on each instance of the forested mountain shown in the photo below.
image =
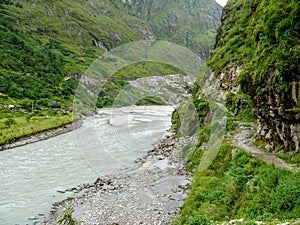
(44, 41)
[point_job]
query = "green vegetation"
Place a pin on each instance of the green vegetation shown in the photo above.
(150, 100)
(238, 186)
(66, 217)
(45, 47)
(235, 185)
(19, 126)
(280, 151)
(191, 23)
(262, 35)
(145, 69)
(8, 122)
(262, 38)
(41, 55)
(185, 119)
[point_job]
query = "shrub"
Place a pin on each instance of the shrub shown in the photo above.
(9, 122)
(66, 217)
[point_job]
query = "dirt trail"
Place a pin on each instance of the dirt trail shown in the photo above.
(244, 140)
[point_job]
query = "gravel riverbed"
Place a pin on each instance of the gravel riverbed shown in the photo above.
(150, 194)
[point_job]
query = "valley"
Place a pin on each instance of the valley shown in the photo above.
(227, 78)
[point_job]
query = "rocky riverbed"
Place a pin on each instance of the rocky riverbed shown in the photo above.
(151, 194)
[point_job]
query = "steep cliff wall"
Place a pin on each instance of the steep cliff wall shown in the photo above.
(258, 53)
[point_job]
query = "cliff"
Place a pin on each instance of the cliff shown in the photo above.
(255, 67)
(257, 53)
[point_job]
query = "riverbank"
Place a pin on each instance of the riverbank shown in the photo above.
(151, 194)
(41, 135)
(46, 169)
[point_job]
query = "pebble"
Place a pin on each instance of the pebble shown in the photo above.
(139, 196)
(32, 218)
(174, 190)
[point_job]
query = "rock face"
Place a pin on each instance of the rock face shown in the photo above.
(256, 52)
(277, 116)
(172, 89)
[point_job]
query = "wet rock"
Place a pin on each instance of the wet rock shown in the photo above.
(32, 218)
(70, 189)
(174, 190)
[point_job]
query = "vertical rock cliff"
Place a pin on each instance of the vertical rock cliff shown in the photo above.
(258, 54)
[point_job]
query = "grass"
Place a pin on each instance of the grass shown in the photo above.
(236, 185)
(24, 126)
(146, 69)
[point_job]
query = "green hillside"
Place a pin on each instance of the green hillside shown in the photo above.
(191, 23)
(263, 39)
(258, 50)
(44, 49)
(42, 43)
(46, 46)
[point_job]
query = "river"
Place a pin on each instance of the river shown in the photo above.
(107, 143)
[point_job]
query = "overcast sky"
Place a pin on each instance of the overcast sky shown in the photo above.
(222, 2)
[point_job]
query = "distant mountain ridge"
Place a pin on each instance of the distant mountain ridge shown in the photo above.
(191, 23)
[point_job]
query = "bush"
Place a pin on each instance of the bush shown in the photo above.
(9, 122)
(241, 187)
(198, 220)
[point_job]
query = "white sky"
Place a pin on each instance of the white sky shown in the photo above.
(221, 2)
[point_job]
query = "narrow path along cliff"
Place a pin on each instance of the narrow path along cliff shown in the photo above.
(243, 140)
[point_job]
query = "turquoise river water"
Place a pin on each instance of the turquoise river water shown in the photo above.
(107, 143)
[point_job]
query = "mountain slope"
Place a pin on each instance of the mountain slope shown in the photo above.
(258, 49)
(256, 66)
(191, 23)
(45, 41)
(46, 46)
(63, 38)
